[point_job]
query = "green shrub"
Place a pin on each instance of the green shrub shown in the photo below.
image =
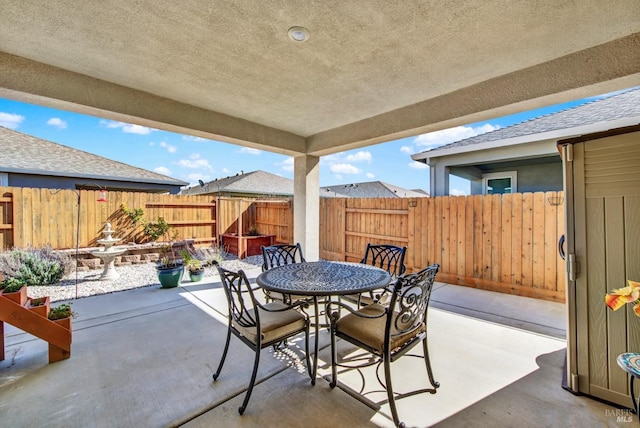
(35, 266)
(11, 285)
(155, 230)
(61, 311)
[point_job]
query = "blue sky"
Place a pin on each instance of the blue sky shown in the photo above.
(191, 159)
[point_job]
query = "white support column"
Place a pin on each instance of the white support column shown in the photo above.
(306, 205)
(439, 176)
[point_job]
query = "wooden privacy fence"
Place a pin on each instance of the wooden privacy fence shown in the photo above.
(505, 243)
(39, 217)
(270, 217)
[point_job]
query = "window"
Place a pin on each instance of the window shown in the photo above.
(499, 182)
(4, 179)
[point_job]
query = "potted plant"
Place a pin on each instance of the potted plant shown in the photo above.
(169, 269)
(62, 315)
(193, 265)
(61, 311)
(15, 290)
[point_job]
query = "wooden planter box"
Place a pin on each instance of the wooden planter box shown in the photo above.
(245, 246)
(43, 309)
(20, 297)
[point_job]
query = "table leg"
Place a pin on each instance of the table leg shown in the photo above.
(316, 340)
(634, 399)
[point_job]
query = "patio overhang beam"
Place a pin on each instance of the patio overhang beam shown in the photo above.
(597, 70)
(24, 80)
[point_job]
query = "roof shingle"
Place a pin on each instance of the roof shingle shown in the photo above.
(28, 154)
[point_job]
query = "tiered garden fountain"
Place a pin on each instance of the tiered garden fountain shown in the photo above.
(108, 253)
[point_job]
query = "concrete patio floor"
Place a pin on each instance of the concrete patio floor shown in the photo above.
(144, 358)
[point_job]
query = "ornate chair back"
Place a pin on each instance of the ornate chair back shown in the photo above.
(407, 313)
(240, 299)
(281, 254)
(387, 257)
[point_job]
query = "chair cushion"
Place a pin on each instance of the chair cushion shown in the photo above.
(370, 331)
(275, 325)
(365, 298)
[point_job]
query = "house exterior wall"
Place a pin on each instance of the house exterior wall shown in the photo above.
(56, 182)
(472, 164)
(531, 178)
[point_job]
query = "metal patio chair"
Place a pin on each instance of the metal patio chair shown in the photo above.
(384, 256)
(256, 325)
(388, 332)
(280, 255)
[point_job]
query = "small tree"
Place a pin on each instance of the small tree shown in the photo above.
(155, 230)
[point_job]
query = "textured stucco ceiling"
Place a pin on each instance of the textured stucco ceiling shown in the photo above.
(371, 71)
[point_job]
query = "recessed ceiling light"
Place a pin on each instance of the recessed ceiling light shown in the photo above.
(298, 34)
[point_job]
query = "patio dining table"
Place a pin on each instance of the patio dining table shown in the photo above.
(322, 279)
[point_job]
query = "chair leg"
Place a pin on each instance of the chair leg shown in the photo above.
(427, 362)
(252, 382)
(389, 388)
(334, 356)
(306, 350)
(224, 354)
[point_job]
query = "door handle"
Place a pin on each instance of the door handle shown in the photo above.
(561, 247)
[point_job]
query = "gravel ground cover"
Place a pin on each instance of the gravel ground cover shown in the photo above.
(132, 276)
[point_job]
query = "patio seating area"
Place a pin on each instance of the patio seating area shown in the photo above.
(145, 358)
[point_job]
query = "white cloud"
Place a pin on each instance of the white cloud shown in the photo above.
(57, 123)
(359, 157)
(192, 138)
(406, 150)
(11, 121)
(287, 165)
(225, 171)
(330, 158)
(457, 192)
(418, 165)
(344, 168)
(127, 128)
(250, 151)
(340, 163)
(162, 170)
(195, 161)
(136, 129)
(169, 147)
(370, 175)
(193, 178)
(446, 136)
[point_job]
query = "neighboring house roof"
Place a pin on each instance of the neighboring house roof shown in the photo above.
(371, 189)
(258, 183)
(25, 154)
(262, 183)
(622, 109)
